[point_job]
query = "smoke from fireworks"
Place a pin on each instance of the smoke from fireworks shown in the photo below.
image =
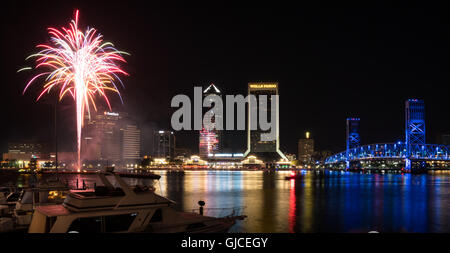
(80, 65)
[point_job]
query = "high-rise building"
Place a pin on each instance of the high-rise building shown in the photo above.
(164, 144)
(210, 139)
(269, 151)
(147, 137)
(26, 147)
(131, 142)
(25, 150)
(110, 137)
(306, 149)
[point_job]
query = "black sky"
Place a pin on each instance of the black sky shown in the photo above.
(331, 62)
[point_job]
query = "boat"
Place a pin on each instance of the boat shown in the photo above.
(17, 206)
(44, 193)
(9, 196)
(293, 175)
(4, 208)
(122, 209)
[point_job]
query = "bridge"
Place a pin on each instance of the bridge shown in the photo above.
(411, 155)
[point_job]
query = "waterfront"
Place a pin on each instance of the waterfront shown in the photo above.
(331, 202)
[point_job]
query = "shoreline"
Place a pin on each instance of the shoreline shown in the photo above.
(144, 173)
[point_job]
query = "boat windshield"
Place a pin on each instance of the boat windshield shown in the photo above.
(135, 184)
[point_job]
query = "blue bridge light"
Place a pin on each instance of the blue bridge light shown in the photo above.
(414, 146)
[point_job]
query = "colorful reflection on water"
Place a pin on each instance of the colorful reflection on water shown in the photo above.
(329, 202)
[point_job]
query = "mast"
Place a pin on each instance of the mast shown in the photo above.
(56, 137)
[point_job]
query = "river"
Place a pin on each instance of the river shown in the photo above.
(331, 202)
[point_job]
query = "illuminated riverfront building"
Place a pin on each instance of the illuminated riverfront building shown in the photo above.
(102, 137)
(131, 142)
(110, 138)
(305, 149)
(27, 154)
(195, 161)
(25, 147)
(210, 139)
(267, 150)
(25, 151)
(164, 144)
(208, 143)
(225, 160)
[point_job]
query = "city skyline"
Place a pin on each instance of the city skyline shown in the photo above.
(213, 118)
(325, 91)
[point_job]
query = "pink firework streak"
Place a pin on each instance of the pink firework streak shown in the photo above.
(81, 65)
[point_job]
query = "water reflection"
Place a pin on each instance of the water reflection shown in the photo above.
(329, 202)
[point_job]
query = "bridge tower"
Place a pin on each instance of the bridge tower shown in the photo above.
(414, 126)
(353, 138)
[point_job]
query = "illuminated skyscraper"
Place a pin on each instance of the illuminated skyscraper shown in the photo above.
(25, 147)
(102, 137)
(164, 144)
(210, 140)
(111, 138)
(305, 149)
(267, 150)
(25, 150)
(131, 142)
(208, 143)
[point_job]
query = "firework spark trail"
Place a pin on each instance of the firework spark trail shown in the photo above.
(81, 65)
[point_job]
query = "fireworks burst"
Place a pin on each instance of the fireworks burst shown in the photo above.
(80, 65)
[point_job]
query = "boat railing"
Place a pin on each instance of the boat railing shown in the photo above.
(220, 212)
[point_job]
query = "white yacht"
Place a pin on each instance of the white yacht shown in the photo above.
(122, 209)
(16, 210)
(44, 193)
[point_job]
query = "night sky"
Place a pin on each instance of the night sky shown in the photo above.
(331, 62)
